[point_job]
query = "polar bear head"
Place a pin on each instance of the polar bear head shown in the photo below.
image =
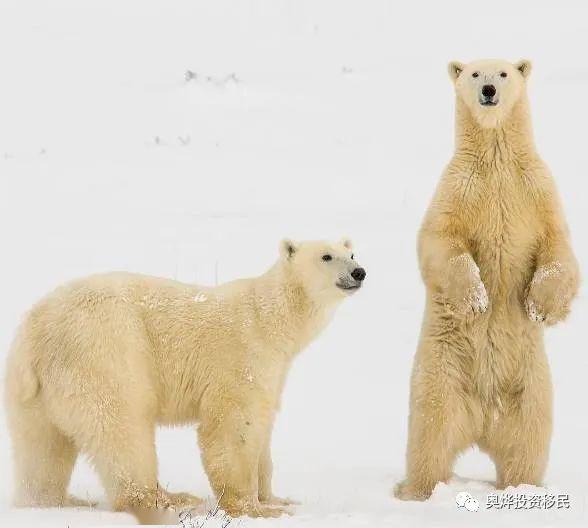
(490, 88)
(327, 271)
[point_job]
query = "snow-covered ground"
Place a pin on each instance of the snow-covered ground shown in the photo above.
(308, 119)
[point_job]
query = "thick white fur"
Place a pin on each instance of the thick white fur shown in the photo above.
(497, 263)
(99, 362)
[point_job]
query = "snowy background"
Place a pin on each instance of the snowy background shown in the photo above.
(306, 119)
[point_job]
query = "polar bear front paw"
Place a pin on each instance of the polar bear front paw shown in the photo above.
(549, 294)
(534, 312)
(465, 292)
(257, 510)
(269, 511)
(476, 298)
(279, 501)
(181, 501)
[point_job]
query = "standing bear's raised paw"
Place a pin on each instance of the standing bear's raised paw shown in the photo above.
(464, 292)
(550, 293)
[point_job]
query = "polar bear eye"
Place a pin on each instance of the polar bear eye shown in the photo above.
(475, 74)
(352, 256)
(326, 258)
(503, 74)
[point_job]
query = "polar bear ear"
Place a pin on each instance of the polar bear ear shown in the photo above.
(288, 248)
(524, 66)
(346, 242)
(455, 68)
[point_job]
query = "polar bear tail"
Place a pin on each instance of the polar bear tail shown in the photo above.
(21, 380)
(28, 384)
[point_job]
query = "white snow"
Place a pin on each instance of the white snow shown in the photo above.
(200, 297)
(302, 119)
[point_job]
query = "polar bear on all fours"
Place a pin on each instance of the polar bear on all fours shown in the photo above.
(496, 260)
(100, 361)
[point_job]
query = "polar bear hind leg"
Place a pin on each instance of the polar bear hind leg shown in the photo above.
(519, 435)
(44, 458)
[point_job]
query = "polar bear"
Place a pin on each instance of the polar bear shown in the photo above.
(101, 361)
(496, 261)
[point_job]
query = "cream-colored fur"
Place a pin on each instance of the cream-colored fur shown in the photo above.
(101, 361)
(497, 264)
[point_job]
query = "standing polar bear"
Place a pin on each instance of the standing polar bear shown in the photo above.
(100, 362)
(496, 261)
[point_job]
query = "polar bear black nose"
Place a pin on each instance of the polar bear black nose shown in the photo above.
(358, 274)
(488, 90)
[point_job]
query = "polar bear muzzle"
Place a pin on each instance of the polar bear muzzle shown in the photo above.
(357, 277)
